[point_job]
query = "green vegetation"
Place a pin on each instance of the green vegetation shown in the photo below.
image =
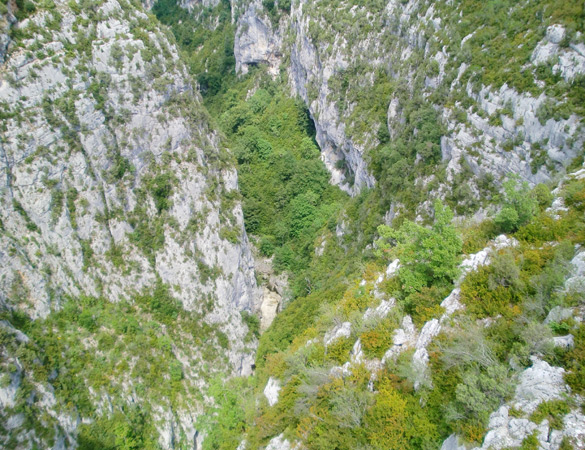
(226, 420)
(128, 430)
(30, 225)
(332, 246)
(554, 411)
(427, 256)
(574, 360)
(413, 153)
(287, 198)
(519, 206)
(93, 347)
(253, 323)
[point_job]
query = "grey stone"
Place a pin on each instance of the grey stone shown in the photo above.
(566, 342)
(558, 314)
(341, 330)
(255, 41)
(539, 383)
(452, 443)
(280, 443)
(272, 390)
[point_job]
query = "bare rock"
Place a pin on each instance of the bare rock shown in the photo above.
(539, 383)
(271, 391)
(452, 443)
(342, 330)
(268, 308)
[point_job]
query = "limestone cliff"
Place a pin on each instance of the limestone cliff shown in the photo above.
(114, 186)
(358, 66)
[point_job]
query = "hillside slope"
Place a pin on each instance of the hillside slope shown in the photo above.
(408, 175)
(443, 92)
(415, 341)
(124, 259)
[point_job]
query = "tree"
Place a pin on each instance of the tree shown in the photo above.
(519, 205)
(427, 255)
(302, 212)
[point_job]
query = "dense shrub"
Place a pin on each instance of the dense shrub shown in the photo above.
(377, 341)
(425, 304)
(574, 361)
(519, 205)
(554, 411)
(482, 300)
(427, 255)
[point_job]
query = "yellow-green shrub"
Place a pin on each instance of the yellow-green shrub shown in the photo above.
(339, 350)
(481, 301)
(377, 341)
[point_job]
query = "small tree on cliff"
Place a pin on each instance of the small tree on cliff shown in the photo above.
(427, 255)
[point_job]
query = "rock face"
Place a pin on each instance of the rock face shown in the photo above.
(271, 391)
(452, 443)
(334, 58)
(281, 443)
(255, 42)
(341, 331)
(577, 281)
(569, 60)
(114, 184)
(191, 4)
(274, 290)
(115, 178)
(268, 308)
(558, 313)
(7, 21)
(537, 384)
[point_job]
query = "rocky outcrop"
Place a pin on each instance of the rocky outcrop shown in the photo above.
(256, 42)
(271, 391)
(567, 59)
(509, 147)
(577, 280)
(331, 54)
(114, 183)
(342, 330)
(537, 384)
(281, 443)
(268, 308)
(191, 4)
(274, 290)
(452, 443)
(7, 21)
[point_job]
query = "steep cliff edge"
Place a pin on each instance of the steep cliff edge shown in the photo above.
(115, 189)
(367, 72)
